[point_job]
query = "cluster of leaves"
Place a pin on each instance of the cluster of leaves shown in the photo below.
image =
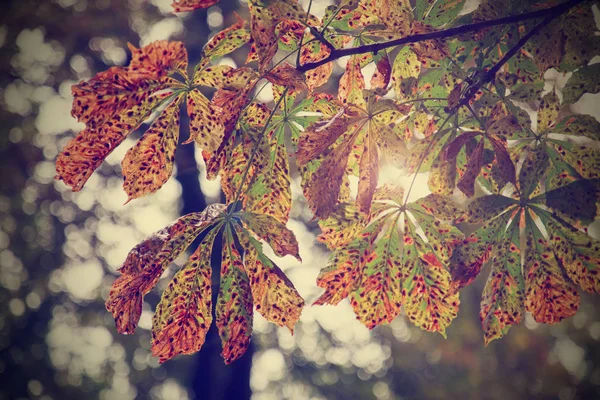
(451, 104)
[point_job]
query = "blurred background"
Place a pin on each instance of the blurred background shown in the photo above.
(59, 252)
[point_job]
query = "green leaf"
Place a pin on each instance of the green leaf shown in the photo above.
(535, 164)
(504, 292)
(579, 125)
(547, 112)
(234, 304)
(406, 66)
(584, 80)
(437, 13)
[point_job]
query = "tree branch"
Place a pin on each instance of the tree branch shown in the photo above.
(551, 13)
(491, 74)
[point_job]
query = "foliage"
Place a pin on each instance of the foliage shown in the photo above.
(447, 96)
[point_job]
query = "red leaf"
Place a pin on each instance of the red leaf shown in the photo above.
(191, 5)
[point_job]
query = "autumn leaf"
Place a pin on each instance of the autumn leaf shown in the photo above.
(227, 40)
(352, 84)
(234, 304)
(148, 260)
(148, 164)
(406, 66)
(395, 15)
(191, 5)
(584, 80)
(351, 140)
(184, 314)
(281, 239)
(113, 104)
(383, 73)
(274, 296)
(504, 292)
(542, 281)
(288, 76)
(373, 267)
(551, 296)
(264, 18)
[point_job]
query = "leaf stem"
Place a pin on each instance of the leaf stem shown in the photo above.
(422, 159)
(257, 145)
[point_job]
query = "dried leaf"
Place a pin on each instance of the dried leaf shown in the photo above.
(234, 304)
(184, 314)
(148, 260)
(281, 239)
(369, 170)
(149, 163)
(191, 5)
(274, 296)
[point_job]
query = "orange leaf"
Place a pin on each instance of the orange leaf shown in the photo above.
(116, 102)
(149, 164)
(368, 173)
(191, 5)
(288, 76)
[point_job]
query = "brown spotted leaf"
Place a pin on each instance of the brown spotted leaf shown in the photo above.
(147, 261)
(378, 299)
(502, 303)
(281, 239)
(383, 73)
(342, 226)
(206, 125)
(149, 163)
(352, 84)
(191, 5)
(184, 314)
(114, 103)
(427, 299)
(227, 40)
(343, 273)
(274, 295)
(234, 303)
(396, 15)
(551, 296)
(466, 183)
(287, 76)
(547, 112)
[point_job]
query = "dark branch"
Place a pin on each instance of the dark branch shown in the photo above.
(551, 12)
(490, 75)
(321, 38)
